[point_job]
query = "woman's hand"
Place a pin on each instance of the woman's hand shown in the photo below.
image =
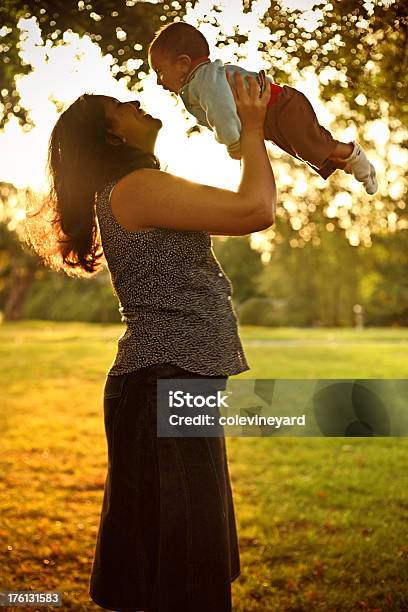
(251, 107)
(257, 179)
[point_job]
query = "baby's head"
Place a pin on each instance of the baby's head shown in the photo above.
(172, 51)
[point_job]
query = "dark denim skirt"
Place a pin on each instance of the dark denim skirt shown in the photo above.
(167, 539)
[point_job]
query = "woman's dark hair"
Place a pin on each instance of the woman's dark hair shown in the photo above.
(81, 161)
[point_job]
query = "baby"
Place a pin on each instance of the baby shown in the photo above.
(179, 55)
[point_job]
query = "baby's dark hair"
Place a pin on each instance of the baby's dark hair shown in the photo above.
(180, 38)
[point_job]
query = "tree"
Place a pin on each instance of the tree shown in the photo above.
(364, 44)
(384, 287)
(319, 279)
(18, 264)
(242, 264)
(121, 28)
(357, 48)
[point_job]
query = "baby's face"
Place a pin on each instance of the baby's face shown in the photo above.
(171, 74)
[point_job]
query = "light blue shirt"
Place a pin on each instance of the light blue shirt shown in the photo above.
(208, 97)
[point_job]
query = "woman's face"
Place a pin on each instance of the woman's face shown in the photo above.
(130, 123)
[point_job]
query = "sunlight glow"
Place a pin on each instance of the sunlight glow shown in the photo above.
(379, 132)
(301, 187)
(64, 71)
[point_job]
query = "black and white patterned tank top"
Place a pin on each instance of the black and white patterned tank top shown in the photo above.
(173, 296)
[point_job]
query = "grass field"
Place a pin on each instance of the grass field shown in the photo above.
(323, 522)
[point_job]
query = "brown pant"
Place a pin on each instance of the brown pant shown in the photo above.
(292, 125)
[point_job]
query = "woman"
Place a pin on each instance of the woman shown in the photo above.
(167, 538)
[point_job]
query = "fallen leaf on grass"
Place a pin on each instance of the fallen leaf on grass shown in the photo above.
(291, 585)
(330, 527)
(311, 595)
(318, 569)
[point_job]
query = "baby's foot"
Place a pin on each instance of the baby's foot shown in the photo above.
(358, 165)
(371, 184)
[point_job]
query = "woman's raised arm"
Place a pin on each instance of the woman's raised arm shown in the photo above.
(148, 198)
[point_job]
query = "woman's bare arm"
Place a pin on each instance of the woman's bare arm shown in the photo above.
(148, 198)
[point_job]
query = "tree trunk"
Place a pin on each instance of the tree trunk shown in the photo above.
(20, 282)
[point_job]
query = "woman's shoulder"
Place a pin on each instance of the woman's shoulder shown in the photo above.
(137, 177)
(116, 198)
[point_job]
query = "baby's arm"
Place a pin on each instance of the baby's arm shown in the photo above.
(216, 99)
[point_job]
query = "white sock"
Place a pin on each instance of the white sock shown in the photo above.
(362, 169)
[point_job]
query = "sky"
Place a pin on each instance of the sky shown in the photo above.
(199, 157)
